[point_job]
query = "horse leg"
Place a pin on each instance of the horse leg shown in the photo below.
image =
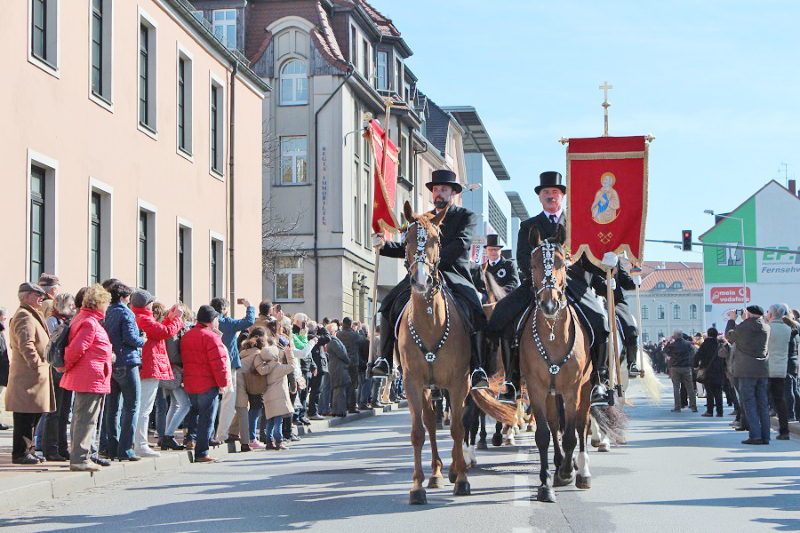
(542, 436)
(554, 421)
(470, 424)
(584, 477)
(565, 475)
(415, 407)
(458, 468)
(436, 480)
(482, 442)
(497, 438)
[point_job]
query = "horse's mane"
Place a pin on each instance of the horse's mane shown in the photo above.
(492, 286)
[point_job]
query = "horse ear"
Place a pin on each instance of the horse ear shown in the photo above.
(408, 212)
(561, 235)
(437, 220)
(533, 237)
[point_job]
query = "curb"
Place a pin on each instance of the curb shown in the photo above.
(36, 487)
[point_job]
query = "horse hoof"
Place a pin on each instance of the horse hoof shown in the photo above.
(461, 488)
(596, 443)
(530, 429)
(546, 494)
(481, 445)
(452, 476)
(563, 481)
(497, 440)
(583, 482)
(417, 497)
(436, 482)
(473, 463)
(604, 447)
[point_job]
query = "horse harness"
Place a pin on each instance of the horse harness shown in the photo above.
(436, 286)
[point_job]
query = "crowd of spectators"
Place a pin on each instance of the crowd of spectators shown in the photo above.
(110, 373)
(754, 362)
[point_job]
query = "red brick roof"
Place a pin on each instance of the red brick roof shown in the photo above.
(691, 278)
(384, 24)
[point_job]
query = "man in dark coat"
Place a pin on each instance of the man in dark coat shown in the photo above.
(457, 231)
(502, 270)
(583, 279)
(349, 338)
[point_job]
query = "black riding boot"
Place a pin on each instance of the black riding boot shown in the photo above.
(382, 367)
(600, 393)
(631, 351)
(511, 363)
(479, 378)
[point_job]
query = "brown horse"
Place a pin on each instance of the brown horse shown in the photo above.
(556, 366)
(435, 351)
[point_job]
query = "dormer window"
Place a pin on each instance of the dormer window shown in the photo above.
(383, 58)
(294, 83)
(677, 285)
(661, 285)
(225, 27)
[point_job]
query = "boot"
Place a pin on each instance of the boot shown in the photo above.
(479, 378)
(631, 351)
(601, 395)
(382, 368)
(512, 392)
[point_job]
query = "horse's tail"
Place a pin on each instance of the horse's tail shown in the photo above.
(612, 421)
(651, 385)
(486, 402)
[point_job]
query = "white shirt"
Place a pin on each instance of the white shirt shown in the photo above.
(557, 214)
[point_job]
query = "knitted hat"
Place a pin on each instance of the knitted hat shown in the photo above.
(141, 298)
(206, 314)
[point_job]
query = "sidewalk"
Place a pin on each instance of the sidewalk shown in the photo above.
(22, 485)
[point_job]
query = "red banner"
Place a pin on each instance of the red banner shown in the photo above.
(607, 197)
(383, 217)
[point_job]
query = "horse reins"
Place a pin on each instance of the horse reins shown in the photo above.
(421, 258)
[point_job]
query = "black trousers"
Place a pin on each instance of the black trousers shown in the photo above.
(352, 389)
(314, 390)
(713, 398)
(24, 426)
(777, 397)
(54, 435)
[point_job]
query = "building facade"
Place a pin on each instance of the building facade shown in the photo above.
(118, 140)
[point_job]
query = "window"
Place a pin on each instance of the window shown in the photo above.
(38, 223)
(356, 126)
(147, 74)
(146, 249)
(185, 101)
(289, 282)
(661, 312)
(95, 236)
(677, 285)
(693, 312)
(294, 83)
(645, 336)
(294, 161)
(225, 26)
(645, 312)
(398, 78)
(660, 334)
(497, 219)
(366, 59)
(217, 126)
(356, 207)
(217, 263)
(676, 312)
(661, 285)
(353, 45)
(44, 34)
(100, 233)
(185, 262)
(382, 81)
(100, 56)
(199, 16)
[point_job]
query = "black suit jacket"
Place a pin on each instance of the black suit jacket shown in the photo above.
(546, 230)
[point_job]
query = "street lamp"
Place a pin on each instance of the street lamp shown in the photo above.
(744, 255)
(669, 328)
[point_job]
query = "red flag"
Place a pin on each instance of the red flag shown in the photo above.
(607, 197)
(383, 218)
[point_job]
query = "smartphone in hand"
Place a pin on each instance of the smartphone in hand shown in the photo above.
(240, 301)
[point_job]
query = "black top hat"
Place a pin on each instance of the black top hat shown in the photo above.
(444, 177)
(491, 242)
(550, 179)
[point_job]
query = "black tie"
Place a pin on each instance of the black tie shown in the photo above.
(552, 219)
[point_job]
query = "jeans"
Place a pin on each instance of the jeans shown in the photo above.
(776, 392)
(275, 428)
(792, 397)
(254, 413)
(146, 400)
(84, 423)
(120, 421)
(178, 410)
(682, 375)
(161, 411)
(324, 406)
(205, 403)
(54, 434)
(364, 389)
(755, 404)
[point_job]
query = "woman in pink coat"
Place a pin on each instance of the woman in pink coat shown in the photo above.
(87, 363)
(155, 361)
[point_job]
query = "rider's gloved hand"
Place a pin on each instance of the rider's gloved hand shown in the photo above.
(637, 280)
(610, 259)
(377, 240)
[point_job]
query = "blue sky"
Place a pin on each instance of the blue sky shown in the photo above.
(716, 82)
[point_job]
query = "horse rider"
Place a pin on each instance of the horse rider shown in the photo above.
(583, 280)
(456, 233)
(502, 269)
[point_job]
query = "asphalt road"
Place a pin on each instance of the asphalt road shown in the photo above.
(679, 472)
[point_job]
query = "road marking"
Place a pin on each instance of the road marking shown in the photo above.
(522, 488)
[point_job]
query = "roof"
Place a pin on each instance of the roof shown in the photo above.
(477, 139)
(384, 24)
(437, 124)
(518, 208)
(691, 278)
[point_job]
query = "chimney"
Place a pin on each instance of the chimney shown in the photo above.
(793, 187)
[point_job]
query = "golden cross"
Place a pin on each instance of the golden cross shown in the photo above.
(605, 87)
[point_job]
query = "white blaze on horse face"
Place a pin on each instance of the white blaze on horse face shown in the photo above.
(422, 275)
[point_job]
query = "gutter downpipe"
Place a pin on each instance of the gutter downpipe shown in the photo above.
(231, 137)
(350, 71)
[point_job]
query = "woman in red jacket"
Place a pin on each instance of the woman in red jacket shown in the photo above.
(155, 361)
(87, 363)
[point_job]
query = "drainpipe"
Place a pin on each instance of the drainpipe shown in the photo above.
(231, 270)
(350, 71)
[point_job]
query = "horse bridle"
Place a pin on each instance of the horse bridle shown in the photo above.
(549, 250)
(421, 258)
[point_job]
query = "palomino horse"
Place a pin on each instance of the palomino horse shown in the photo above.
(555, 362)
(435, 351)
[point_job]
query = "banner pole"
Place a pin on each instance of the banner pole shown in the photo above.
(612, 319)
(639, 327)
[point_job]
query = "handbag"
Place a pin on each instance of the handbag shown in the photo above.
(254, 382)
(175, 382)
(701, 375)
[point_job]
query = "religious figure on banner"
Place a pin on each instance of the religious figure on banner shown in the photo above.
(605, 206)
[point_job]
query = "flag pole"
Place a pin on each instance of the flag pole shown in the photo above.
(373, 344)
(637, 272)
(612, 319)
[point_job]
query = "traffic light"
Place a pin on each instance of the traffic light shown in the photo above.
(687, 240)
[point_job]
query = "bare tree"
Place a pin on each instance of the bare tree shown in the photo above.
(277, 230)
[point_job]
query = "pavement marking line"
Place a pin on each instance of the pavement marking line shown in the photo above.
(522, 486)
